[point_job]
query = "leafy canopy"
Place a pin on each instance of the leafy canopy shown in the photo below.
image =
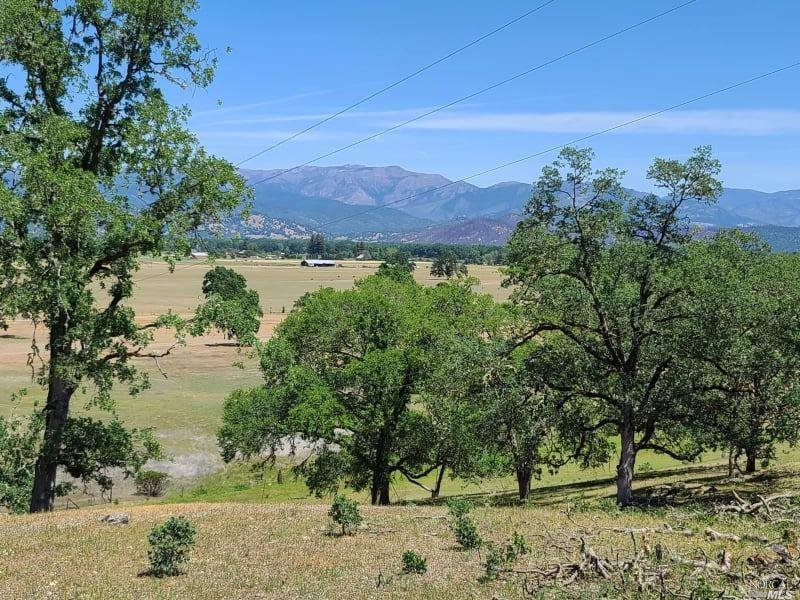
(602, 273)
(98, 170)
(340, 375)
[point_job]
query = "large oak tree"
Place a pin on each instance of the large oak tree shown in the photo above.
(602, 272)
(97, 171)
(745, 345)
(341, 375)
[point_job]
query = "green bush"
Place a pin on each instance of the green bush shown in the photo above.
(518, 546)
(344, 512)
(494, 564)
(466, 533)
(414, 563)
(151, 483)
(170, 544)
(458, 507)
(501, 559)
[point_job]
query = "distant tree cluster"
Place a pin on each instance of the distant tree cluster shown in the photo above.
(316, 245)
(623, 333)
(349, 249)
(448, 265)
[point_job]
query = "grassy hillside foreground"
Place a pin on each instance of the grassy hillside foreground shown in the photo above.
(282, 550)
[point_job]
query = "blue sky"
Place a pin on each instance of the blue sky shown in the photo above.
(293, 63)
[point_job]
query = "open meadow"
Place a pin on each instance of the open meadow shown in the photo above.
(185, 407)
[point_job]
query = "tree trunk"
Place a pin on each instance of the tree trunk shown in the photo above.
(381, 473)
(750, 465)
(524, 475)
(438, 487)
(56, 413)
(627, 460)
(379, 492)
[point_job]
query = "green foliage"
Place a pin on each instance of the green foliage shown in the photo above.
(92, 447)
(170, 545)
(447, 264)
(151, 483)
(602, 274)
(398, 265)
(466, 532)
(224, 282)
(458, 507)
(494, 564)
(316, 245)
(414, 563)
(343, 369)
(518, 546)
(229, 307)
(500, 559)
(344, 512)
(19, 445)
(475, 254)
(745, 345)
(97, 170)
(703, 590)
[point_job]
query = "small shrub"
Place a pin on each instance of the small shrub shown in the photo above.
(414, 563)
(344, 512)
(458, 507)
(466, 533)
(170, 544)
(704, 591)
(645, 467)
(501, 559)
(151, 483)
(494, 564)
(517, 547)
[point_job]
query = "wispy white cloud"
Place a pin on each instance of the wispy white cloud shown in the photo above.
(223, 109)
(369, 116)
(271, 135)
(722, 122)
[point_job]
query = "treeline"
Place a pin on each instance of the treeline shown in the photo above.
(623, 333)
(349, 249)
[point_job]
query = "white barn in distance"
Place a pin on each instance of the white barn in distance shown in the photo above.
(317, 262)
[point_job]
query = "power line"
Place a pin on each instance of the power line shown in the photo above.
(553, 148)
(168, 272)
(584, 138)
(482, 90)
(577, 140)
(399, 81)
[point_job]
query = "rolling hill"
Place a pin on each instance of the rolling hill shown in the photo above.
(394, 204)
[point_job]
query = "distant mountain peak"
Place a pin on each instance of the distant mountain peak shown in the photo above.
(391, 202)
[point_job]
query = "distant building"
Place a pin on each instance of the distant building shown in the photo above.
(317, 262)
(198, 255)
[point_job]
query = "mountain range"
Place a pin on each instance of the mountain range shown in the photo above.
(393, 204)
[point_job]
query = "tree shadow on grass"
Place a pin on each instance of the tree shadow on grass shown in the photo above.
(699, 485)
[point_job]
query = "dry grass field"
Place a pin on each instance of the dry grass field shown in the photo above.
(258, 538)
(185, 408)
(281, 550)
